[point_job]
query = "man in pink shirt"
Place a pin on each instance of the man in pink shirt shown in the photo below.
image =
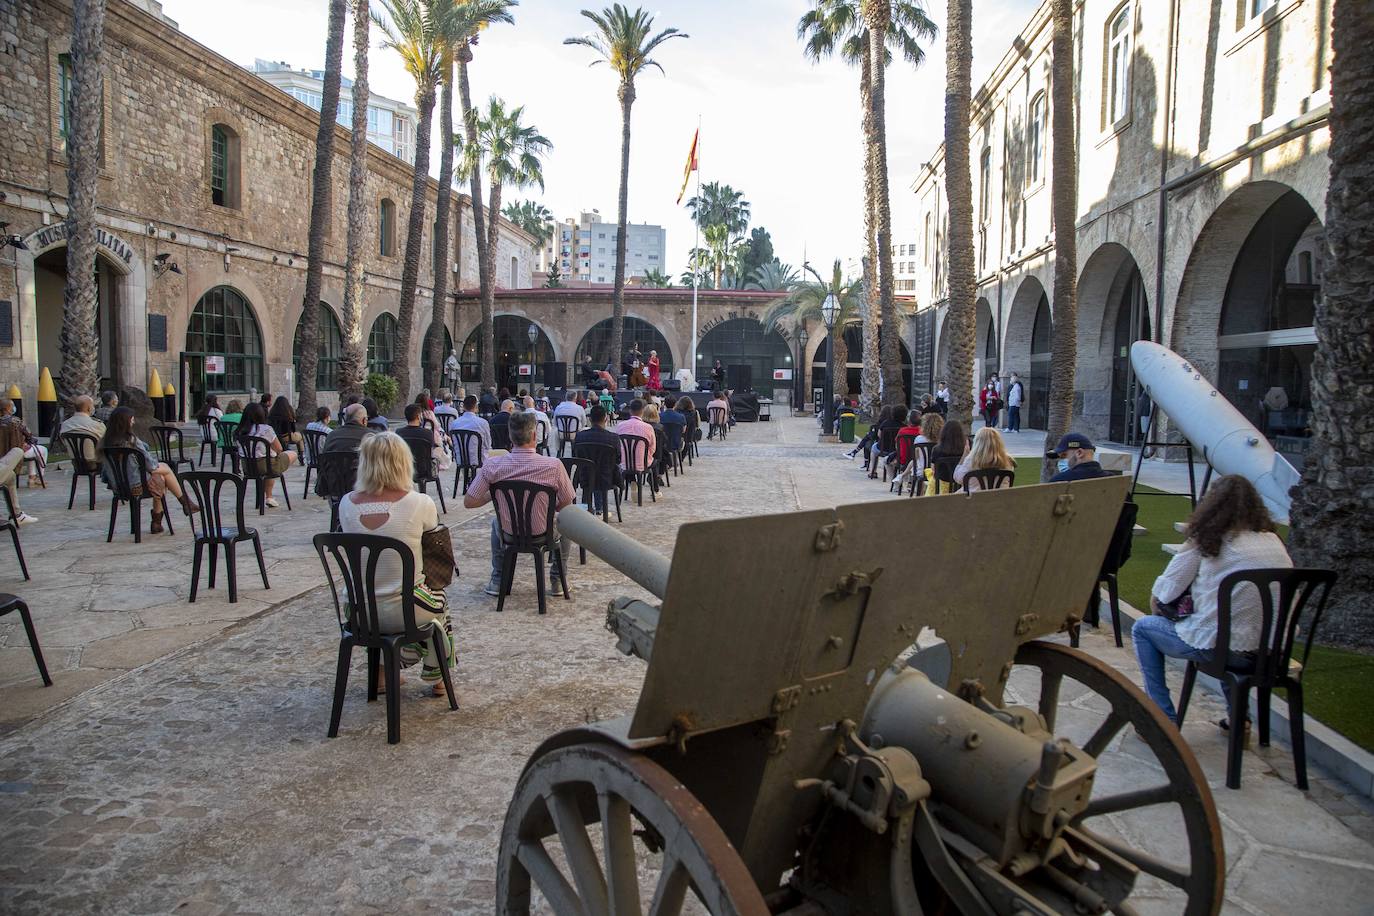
(521, 463)
(634, 425)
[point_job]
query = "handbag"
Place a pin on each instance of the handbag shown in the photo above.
(1180, 607)
(436, 561)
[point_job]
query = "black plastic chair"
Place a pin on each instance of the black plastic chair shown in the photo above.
(921, 456)
(1118, 552)
(582, 473)
(720, 422)
(568, 428)
(338, 474)
(991, 478)
(167, 441)
(673, 434)
(515, 501)
(631, 447)
(422, 455)
(257, 466)
(1272, 666)
(9, 524)
(355, 558)
(78, 446)
(131, 489)
(209, 438)
(228, 433)
(314, 442)
(905, 444)
(500, 435)
(944, 474)
(606, 458)
(214, 533)
(693, 449)
(467, 457)
(541, 438)
(10, 603)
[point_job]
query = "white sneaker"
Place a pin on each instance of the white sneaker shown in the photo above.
(23, 518)
(493, 589)
(271, 503)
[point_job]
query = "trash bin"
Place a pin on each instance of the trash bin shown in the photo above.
(847, 427)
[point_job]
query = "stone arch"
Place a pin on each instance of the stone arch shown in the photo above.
(242, 347)
(595, 339)
(1111, 289)
(329, 332)
(513, 350)
(985, 350)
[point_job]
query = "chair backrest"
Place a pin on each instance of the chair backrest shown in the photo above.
(127, 468)
(354, 557)
(467, 446)
(991, 478)
(165, 436)
(582, 473)
(568, 426)
(944, 470)
(314, 443)
(674, 430)
(422, 454)
(228, 432)
(500, 435)
(1123, 538)
(257, 449)
(207, 427)
(717, 416)
(338, 473)
(83, 447)
(905, 441)
(631, 447)
(923, 449)
(887, 439)
(427, 423)
(518, 505)
(1279, 622)
(603, 455)
(207, 485)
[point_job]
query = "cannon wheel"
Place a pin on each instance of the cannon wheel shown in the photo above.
(566, 790)
(1203, 877)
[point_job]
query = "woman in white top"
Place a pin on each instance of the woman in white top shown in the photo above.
(1229, 531)
(384, 502)
(254, 424)
(989, 452)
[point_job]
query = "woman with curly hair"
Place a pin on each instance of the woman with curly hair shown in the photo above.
(1229, 531)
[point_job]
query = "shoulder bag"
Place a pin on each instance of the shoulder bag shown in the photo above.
(436, 548)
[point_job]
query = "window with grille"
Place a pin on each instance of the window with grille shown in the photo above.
(331, 347)
(223, 325)
(1119, 65)
(219, 165)
(1035, 141)
(381, 344)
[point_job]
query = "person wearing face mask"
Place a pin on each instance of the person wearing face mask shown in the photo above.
(1016, 394)
(1077, 458)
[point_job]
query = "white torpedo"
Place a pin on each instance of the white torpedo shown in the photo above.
(1228, 441)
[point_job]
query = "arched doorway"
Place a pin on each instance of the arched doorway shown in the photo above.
(1026, 350)
(1042, 336)
(1132, 324)
(854, 361)
(49, 284)
(746, 342)
(985, 343)
(381, 344)
(331, 349)
(1114, 312)
(424, 354)
(223, 346)
(596, 343)
(513, 350)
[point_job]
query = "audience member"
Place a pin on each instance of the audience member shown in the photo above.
(720, 402)
(108, 402)
(953, 443)
(321, 422)
(444, 410)
(569, 407)
(81, 421)
(429, 438)
(210, 409)
(651, 417)
(119, 433)
(634, 425)
(31, 446)
(500, 425)
(1077, 458)
(255, 425)
(542, 431)
(234, 414)
(350, 432)
(608, 473)
(989, 452)
(470, 419)
(282, 418)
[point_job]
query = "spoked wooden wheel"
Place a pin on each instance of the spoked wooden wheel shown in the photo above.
(597, 829)
(1181, 783)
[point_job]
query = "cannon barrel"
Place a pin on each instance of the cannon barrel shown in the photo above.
(644, 565)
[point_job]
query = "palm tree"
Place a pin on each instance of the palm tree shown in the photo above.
(959, 323)
(622, 40)
(803, 304)
(723, 215)
(353, 359)
(848, 26)
(698, 270)
(657, 279)
(415, 30)
(510, 153)
(1064, 203)
(773, 276)
(1332, 524)
(321, 203)
(531, 216)
(80, 352)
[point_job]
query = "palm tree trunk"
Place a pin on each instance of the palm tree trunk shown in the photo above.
(959, 323)
(320, 205)
(488, 291)
(627, 99)
(878, 14)
(353, 360)
(1064, 202)
(841, 386)
(435, 339)
(872, 306)
(415, 231)
(80, 351)
(489, 253)
(1332, 524)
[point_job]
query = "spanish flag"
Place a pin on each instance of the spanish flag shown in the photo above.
(691, 166)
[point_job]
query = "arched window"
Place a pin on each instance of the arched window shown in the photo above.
(513, 350)
(381, 344)
(224, 166)
(597, 344)
(1118, 70)
(424, 353)
(1042, 334)
(984, 183)
(223, 344)
(331, 346)
(514, 272)
(386, 228)
(1035, 141)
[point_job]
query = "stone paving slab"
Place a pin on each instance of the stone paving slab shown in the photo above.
(201, 780)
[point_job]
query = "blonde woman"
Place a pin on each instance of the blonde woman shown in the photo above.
(654, 418)
(989, 452)
(384, 502)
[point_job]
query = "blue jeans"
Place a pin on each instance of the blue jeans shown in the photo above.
(498, 550)
(1156, 639)
(1014, 419)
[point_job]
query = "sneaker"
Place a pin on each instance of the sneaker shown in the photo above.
(271, 503)
(23, 518)
(493, 588)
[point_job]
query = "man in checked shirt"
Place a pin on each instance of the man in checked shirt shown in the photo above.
(522, 463)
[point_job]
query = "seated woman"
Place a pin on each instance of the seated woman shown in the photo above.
(652, 416)
(282, 418)
(1229, 531)
(989, 452)
(119, 433)
(384, 502)
(951, 444)
(932, 425)
(210, 409)
(32, 449)
(321, 422)
(900, 458)
(255, 425)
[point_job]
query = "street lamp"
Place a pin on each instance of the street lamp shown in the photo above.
(829, 312)
(799, 369)
(532, 332)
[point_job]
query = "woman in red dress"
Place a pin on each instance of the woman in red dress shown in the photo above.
(654, 383)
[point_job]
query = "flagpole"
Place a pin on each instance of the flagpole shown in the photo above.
(696, 245)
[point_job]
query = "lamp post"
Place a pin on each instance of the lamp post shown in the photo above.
(829, 312)
(532, 332)
(800, 384)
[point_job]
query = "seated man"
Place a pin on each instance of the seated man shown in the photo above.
(568, 408)
(608, 473)
(523, 463)
(719, 402)
(32, 448)
(81, 421)
(671, 417)
(444, 411)
(350, 432)
(544, 428)
(469, 420)
(1077, 459)
(634, 425)
(108, 402)
(500, 437)
(427, 438)
(487, 403)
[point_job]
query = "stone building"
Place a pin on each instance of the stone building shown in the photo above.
(205, 167)
(1201, 138)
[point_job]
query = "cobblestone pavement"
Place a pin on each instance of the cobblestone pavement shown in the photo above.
(194, 775)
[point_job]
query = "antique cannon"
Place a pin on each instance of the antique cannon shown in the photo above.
(803, 745)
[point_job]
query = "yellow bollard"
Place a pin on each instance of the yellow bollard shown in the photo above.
(169, 403)
(47, 405)
(17, 396)
(155, 393)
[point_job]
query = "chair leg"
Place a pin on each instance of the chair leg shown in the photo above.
(1298, 733)
(1239, 697)
(305, 491)
(231, 569)
(507, 575)
(441, 656)
(1114, 603)
(374, 663)
(167, 516)
(561, 564)
(136, 519)
(19, 551)
(439, 490)
(261, 496)
(214, 561)
(340, 685)
(1262, 709)
(71, 498)
(285, 493)
(195, 567)
(114, 511)
(43, 668)
(393, 694)
(262, 565)
(539, 580)
(1184, 695)
(91, 478)
(618, 517)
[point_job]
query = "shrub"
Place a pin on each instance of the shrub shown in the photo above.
(382, 389)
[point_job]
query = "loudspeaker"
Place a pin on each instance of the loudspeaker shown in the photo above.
(739, 377)
(623, 397)
(672, 384)
(555, 375)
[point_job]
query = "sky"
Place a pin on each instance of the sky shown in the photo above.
(774, 125)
